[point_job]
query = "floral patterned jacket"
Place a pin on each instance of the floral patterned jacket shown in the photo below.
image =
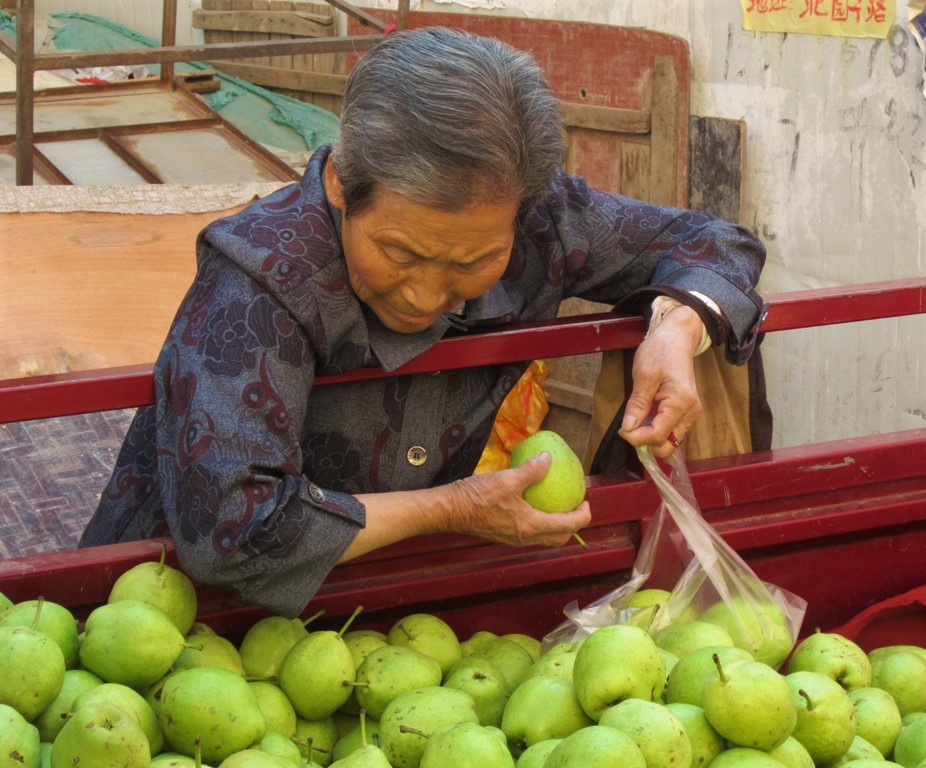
(253, 472)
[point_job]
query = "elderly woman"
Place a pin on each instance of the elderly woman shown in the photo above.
(442, 207)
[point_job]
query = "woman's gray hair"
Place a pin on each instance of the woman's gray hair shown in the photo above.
(449, 120)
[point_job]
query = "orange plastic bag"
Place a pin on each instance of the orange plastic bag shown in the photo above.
(520, 416)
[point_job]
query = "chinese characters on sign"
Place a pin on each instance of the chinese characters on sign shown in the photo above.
(845, 18)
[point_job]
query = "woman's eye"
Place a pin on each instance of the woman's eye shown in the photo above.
(400, 257)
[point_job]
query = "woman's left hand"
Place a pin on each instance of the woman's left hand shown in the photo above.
(664, 385)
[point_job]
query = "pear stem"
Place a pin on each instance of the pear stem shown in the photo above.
(38, 612)
(354, 683)
(579, 539)
(191, 645)
(314, 616)
(363, 726)
(409, 729)
(350, 621)
(163, 559)
(652, 617)
(723, 677)
(198, 752)
(804, 694)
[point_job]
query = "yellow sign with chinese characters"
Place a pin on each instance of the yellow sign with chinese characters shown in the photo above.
(844, 18)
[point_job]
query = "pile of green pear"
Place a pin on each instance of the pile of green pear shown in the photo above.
(142, 683)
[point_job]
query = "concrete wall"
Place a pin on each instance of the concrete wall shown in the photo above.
(835, 185)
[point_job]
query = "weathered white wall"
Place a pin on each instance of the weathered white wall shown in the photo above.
(835, 186)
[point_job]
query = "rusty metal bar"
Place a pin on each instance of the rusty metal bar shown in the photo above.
(168, 38)
(25, 100)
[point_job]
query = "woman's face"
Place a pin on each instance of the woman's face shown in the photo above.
(410, 263)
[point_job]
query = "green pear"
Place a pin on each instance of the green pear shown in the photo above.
(361, 644)
(429, 635)
(130, 642)
(160, 585)
(615, 663)
(542, 708)
(563, 487)
(706, 743)
(865, 763)
(410, 719)
(364, 734)
(558, 661)
(511, 659)
(687, 678)
(282, 746)
(877, 718)
(45, 754)
(910, 748)
(391, 671)
(657, 732)
(54, 620)
(101, 735)
(210, 651)
(33, 670)
(19, 740)
(683, 639)
(52, 719)
(859, 749)
(5, 604)
(255, 758)
(266, 643)
(825, 715)
(132, 702)
(745, 757)
(464, 745)
(481, 679)
(903, 675)
(345, 722)
(530, 644)
(536, 755)
(154, 691)
(277, 710)
(212, 708)
(887, 650)
(792, 753)
(318, 673)
(835, 656)
(750, 705)
(476, 642)
(595, 746)
(760, 628)
(176, 760)
(316, 739)
(643, 606)
(200, 628)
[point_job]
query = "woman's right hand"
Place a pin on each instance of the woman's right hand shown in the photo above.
(492, 507)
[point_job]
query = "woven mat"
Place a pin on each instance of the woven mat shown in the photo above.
(51, 475)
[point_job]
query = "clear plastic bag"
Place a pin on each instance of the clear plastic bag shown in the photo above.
(703, 577)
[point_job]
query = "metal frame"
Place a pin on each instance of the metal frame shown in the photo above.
(22, 52)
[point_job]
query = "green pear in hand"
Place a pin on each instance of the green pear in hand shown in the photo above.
(595, 746)
(542, 708)
(101, 735)
(464, 745)
(563, 487)
(161, 585)
(213, 709)
(825, 715)
(54, 620)
(389, 672)
(616, 663)
(750, 705)
(411, 719)
(657, 732)
(33, 668)
(19, 740)
(877, 718)
(318, 673)
(835, 656)
(130, 642)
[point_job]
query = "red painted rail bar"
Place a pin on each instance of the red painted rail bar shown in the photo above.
(131, 386)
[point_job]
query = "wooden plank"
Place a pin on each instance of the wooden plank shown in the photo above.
(25, 96)
(275, 21)
(717, 166)
(168, 37)
(664, 144)
(278, 77)
(325, 64)
(362, 16)
(610, 119)
(636, 170)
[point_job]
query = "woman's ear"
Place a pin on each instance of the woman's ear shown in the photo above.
(333, 189)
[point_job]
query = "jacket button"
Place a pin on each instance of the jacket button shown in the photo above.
(417, 455)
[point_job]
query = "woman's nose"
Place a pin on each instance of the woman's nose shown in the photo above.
(429, 289)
